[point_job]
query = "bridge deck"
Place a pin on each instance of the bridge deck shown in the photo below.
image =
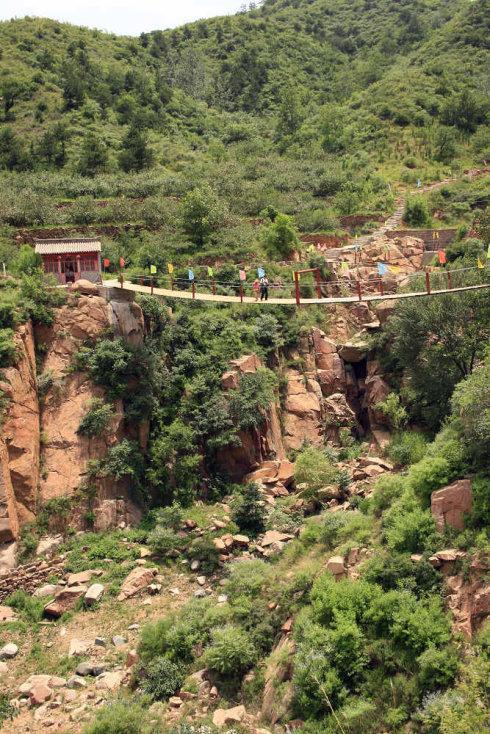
(187, 295)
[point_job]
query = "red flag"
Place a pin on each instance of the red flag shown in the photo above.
(122, 262)
(107, 262)
(442, 257)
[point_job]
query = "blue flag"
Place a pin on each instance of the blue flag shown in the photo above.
(261, 272)
(191, 274)
(382, 269)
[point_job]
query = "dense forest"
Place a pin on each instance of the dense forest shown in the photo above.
(332, 599)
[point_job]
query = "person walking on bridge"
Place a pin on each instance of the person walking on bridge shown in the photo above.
(256, 288)
(264, 288)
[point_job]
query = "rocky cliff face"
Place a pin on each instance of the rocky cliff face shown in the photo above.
(20, 437)
(41, 454)
(257, 445)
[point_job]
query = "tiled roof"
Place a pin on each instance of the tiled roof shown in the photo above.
(59, 247)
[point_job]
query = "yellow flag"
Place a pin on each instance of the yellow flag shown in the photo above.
(170, 268)
(480, 264)
(394, 268)
(153, 269)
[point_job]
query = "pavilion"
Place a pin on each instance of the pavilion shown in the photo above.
(71, 259)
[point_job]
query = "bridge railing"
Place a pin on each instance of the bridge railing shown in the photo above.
(349, 286)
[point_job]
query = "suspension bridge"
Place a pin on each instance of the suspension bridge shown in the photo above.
(433, 284)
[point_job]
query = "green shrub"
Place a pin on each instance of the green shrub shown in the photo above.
(7, 711)
(315, 468)
(388, 489)
(247, 578)
(332, 599)
(30, 608)
(248, 509)
(7, 348)
(407, 527)
(437, 668)
(416, 212)
(392, 408)
(164, 540)
(161, 678)
(396, 571)
(231, 651)
(429, 474)
(407, 447)
(118, 718)
(420, 624)
(96, 421)
(204, 551)
(480, 514)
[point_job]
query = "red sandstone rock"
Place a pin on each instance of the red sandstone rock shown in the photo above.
(136, 581)
(336, 566)
(449, 505)
(64, 601)
(39, 694)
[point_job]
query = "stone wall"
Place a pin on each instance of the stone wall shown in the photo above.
(29, 576)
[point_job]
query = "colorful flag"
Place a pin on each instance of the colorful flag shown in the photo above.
(153, 269)
(419, 183)
(395, 268)
(191, 274)
(107, 262)
(261, 272)
(344, 265)
(382, 268)
(170, 268)
(442, 257)
(210, 272)
(122, 262)
(480, 264)
(242, 274)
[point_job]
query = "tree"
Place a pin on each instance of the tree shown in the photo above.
(26, 261)
(52, 146)
(93, 156)
(202, 213)
(290, 114)
(10, 91)
(12, 154)
(280, 239)
(73, 85)
(135, 154)
(248, 510)
(465, 111)
(434, 343)
(416, 212)
(445, 144)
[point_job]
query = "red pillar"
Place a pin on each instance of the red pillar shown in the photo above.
(358, 288)
(241, 293)
(296, 287)
(193, 289)
(318, 284)
(78, 266)
(449, 281)
(151, 286)
(427, 281)
(381, 288)
(213, 288)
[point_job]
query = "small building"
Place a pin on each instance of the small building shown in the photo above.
(71, 259)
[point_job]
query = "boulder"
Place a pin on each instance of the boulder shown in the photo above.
(46, 590)
(277, 694)
(110, 681)
(39, 694)
(450, 504)
(136, 582)
(8, 651)
(354, 351)
(285, 473)
(93, 594)
(234, 715)
(83, 577)
(274, 536)
(78, 647)
(64, 600)
(47, 546)
(85, 287)
(336, 566)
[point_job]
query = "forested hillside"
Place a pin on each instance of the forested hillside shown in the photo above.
(241, 517)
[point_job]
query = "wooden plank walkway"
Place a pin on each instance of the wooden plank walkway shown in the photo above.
(187, 295)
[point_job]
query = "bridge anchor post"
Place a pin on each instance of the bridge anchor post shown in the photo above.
(427, 282)
(296, 288)
(358, 287)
